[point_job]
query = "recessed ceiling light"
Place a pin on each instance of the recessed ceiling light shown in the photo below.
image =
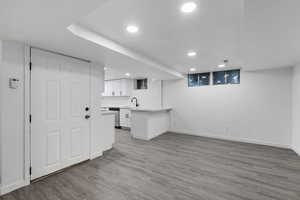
(192, 69)
(132, 29)
(127, 74)
(192, 53)
(188, 7)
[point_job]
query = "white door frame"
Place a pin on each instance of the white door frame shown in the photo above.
(27, 110)
(26, 115)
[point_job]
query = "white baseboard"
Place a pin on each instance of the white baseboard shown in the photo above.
(108, 147)
(245, 140)
(100, 152)
(4, 189)
(96, 155)
(296, 150)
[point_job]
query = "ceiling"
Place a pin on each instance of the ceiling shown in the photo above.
(166, 34)
(252, 34)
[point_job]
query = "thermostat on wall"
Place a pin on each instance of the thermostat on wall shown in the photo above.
(13, 83)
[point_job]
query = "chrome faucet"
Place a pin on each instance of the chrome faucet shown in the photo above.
(136, 101)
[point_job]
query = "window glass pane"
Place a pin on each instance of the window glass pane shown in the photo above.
(226, 77)
(193, 80)
(141, 84)
(198, 79)
(219, 78)
(233, 77)
(204, 79)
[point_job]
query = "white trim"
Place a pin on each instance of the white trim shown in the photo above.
(96, 155)
(91, 101)
(244, 140)
(297, 151)
(9, 188)
(1, 138)
(26, 114)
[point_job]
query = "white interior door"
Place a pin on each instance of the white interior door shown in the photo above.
(60, 93)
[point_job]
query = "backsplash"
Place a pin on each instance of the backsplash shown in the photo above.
(146, 98)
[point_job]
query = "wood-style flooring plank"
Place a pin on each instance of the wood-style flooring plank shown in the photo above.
(175, 167)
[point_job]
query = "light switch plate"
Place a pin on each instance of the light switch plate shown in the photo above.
(13, 83)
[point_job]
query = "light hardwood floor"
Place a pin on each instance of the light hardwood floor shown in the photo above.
(175, 167)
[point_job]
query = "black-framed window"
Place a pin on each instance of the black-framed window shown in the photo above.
(199, 79)
(141, 84)
(226, 77)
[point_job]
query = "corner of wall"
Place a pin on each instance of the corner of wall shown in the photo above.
(295, 143)
(0, 118)
(12, 133)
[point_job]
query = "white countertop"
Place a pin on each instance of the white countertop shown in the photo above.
(141, 109)
(107, 112)
(117, 106)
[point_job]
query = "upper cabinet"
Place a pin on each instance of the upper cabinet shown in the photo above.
(120, 87)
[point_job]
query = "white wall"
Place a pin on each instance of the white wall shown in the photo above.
(146, 98)
(296, 109)
(97, 87)
(12, 117)
(115, 101)
(13, 156)
(150, 97)
(258, 110)
(0, 116)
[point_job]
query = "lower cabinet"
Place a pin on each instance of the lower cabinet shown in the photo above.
(125, 116)
(104, 134)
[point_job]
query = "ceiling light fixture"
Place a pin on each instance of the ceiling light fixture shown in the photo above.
(192, 69)
(132, 29)
(188, 7)
(192, 53)
(105, 68)
(127, 74)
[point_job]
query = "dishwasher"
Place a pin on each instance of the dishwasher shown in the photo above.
(116, 110)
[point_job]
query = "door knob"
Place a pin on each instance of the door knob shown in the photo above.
(87, 116)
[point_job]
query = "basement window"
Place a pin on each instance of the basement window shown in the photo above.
(141, 84)
(226, 77)
(199, 79)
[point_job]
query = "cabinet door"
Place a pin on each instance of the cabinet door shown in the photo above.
(108, 88)
(123, 121)
(115, 85)
(128, 118)
(126, 87)
(125, 117)
(106, 92)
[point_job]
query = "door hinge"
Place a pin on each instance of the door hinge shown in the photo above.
(30, 118)
(30, 170)
(30, 66)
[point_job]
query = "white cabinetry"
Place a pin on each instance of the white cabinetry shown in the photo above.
(120, 87)
(104, 134)
(125, 117)
(126, 87)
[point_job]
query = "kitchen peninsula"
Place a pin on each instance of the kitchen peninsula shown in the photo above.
(148, 123)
